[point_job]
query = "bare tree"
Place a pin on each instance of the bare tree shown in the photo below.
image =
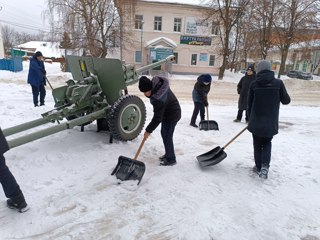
(293, 25)
(8, 37)
(264, 12)
(91, 24)
(228, 12)
(12, 38)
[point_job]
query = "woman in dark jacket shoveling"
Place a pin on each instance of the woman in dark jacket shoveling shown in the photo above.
(200, 93)
(166, 110)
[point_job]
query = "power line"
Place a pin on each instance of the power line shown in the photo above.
(24, 26)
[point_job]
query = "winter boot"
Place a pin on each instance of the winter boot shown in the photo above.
(264, 172)
(162, 158)
(168, 163)
(256, 170)
(18, 203)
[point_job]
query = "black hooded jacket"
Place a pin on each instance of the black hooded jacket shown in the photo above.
(265, 95)
(243, 89)
(166, 107)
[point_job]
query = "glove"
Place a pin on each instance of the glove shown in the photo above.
(206, 104)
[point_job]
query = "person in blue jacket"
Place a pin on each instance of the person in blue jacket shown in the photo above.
(199, 96)
(9, 184)
(37, 78)
(264, 98)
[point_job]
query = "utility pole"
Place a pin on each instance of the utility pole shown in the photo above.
(141, 47)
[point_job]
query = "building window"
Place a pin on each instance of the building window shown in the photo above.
(137, 57)
(158, 23)
(304, 66)
(211, 60)
(215, 28)
(176, 57)
(194, 59)
(138, 22)
(177, 24)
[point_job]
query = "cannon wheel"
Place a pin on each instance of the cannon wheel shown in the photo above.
(127, 117)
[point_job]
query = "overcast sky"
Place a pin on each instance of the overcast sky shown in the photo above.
(28, 15)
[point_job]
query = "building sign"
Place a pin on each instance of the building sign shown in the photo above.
(196, 26)
(193, 40)
(203, 57)
(160, 53)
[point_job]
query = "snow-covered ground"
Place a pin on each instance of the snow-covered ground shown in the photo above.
(67, 183)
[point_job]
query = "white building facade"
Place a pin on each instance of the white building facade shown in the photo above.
(161, 29)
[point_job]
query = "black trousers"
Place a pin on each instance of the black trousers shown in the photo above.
(9, 184)
(198, 107)
(262, 151)
(239, 115)
(167, 130)
(36, 90)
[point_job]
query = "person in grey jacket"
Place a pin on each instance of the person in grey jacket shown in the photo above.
(243, 89)
(265, 95)
(9, 184)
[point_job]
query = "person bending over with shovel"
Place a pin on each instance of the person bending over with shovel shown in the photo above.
(166, 110)
(199, 97)
(265, 95)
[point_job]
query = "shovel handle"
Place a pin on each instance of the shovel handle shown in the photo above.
(207, 109)
(49, 83)
(234, 138)
(139, 149)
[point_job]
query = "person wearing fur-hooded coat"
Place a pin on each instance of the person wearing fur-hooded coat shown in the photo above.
(166, 110)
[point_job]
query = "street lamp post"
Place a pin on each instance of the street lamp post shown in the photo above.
(141, 47)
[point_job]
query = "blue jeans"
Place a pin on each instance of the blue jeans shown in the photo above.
(167, 130)
(36, 90)
(8, 182)
(262, 151)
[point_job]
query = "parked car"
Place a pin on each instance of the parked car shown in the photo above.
(300, 75)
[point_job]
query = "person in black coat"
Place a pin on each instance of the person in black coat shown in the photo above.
(37, 78)
(265, 95)
(242, 89)
(166, 110)
(200, 97)
(9, 184)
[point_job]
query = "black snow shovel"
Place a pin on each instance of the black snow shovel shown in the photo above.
(208, 124)
(130, 169)
(217, 154)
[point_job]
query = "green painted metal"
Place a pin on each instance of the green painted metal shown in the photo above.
(96, 86)
(54, 129)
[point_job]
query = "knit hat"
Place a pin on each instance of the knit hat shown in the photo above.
(250, 67)
(263, 65)
(38, 54)
(145, 84)
(205, 78)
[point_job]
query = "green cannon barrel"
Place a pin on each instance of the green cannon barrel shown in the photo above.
(131, 74)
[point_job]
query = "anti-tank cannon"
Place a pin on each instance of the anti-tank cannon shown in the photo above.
(97, 92)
